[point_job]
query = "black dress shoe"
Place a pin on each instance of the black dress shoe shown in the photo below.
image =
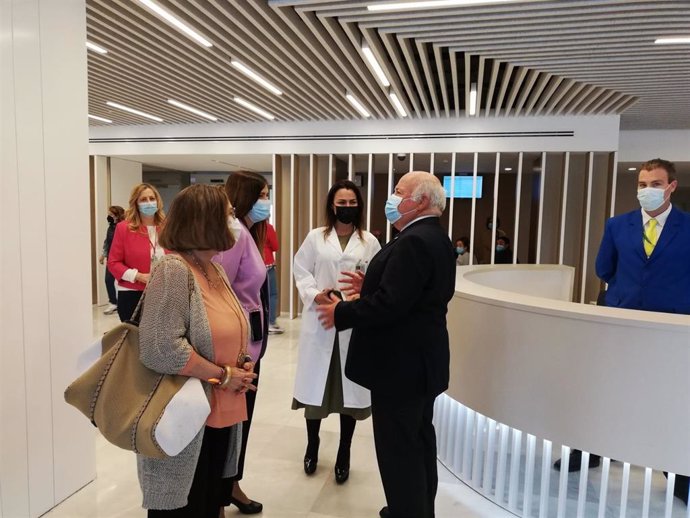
(310, 464)
(251, 508)
(384, 512)
(575, 461)
(342, 474)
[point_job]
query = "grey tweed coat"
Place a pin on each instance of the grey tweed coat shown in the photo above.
(174, 318)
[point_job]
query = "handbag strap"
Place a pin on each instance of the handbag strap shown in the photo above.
(135, 319)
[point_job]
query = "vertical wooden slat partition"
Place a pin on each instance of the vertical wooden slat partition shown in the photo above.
(494, 213)
(474, 204)
(370, 188)
(588, 214)
(311, 191)
(518, 191)
(298, 195)
(564, 207)
(390, 190)
(540, 227)
(451, 205)
(614, 184)
(294, 165)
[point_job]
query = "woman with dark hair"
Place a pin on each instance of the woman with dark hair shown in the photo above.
(193, 325)
(321, 387)
(115, 215)
(245, 268)
(135, 247)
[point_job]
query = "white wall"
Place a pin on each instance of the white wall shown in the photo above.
(101, 185)
(124, 174)
(46, 447)
(642, 145)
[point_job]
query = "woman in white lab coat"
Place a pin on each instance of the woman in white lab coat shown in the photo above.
(321, 387)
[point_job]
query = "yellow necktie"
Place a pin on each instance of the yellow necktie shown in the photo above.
(650, 237)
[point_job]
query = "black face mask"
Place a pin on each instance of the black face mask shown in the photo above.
(346, 214)
(111, 220)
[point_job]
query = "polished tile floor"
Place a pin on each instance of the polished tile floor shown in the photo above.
(273, 474)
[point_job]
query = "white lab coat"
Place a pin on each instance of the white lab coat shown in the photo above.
(317, 265)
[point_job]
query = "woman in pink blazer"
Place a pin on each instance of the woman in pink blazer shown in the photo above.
(135, 247)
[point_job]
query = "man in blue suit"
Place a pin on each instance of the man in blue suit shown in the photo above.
(645, 255)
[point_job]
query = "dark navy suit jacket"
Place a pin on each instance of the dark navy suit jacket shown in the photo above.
(399, 344)
(658, 283)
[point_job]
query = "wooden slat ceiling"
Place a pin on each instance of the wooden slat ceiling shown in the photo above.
(525, 58)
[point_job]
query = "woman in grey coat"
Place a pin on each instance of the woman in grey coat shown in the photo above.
(193, 325)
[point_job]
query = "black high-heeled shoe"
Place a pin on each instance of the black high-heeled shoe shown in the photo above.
(310, 464)
(251, 508)
(342, 473)
(342, 463)
(311, 457)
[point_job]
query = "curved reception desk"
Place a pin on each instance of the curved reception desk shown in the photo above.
(534, 375)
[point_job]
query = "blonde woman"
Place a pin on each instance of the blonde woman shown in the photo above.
(135, 247)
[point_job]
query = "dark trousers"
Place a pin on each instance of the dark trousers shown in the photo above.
(126, 303)
(272, 294)
(251, 400)
(406, 452)
(110, 287)
(204, 499)
(246, 425)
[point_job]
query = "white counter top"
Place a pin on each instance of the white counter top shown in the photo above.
(605, 380)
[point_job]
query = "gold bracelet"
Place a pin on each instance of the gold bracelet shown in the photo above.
(227, 376)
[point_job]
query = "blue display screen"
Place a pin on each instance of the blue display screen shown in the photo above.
(463, 186)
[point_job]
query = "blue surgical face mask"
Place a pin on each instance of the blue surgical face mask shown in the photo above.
(260, 211)
(392, 212)
(460, 250)
(500, 248)
(651, 198)
(148, 208)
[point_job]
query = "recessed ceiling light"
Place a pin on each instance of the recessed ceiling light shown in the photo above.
(673, 40)
(632, 168)
(102, 119)
(132, 110)
(398, 105)
(473, 99)
(508, 169)
(256, 77)
(254, 108)
(95, 48)
(375, 64)
(176, 22)
(358, 105)
(193, 110)
(429, 4)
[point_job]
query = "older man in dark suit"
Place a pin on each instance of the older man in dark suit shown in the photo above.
(399, 346)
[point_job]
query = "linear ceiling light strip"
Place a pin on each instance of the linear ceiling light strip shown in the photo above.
(132, 110)
(176, 22)
(254, 108)
(255, 77)
(192, 110)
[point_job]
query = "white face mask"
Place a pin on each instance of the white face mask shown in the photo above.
(651, 198)
(235, 227)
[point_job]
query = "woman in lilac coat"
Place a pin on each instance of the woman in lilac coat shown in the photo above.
(245, 267)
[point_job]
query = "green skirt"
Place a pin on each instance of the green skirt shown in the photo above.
(332, 395)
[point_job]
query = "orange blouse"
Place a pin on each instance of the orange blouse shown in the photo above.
(229, 334)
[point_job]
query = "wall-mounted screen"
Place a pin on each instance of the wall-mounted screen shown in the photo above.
(463, 186)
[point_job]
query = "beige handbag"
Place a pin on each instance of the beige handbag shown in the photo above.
(135, 408)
